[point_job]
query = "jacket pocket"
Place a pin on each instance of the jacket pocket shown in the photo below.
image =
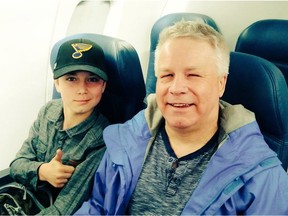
(41, 151)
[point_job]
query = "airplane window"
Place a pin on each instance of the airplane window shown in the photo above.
(96, 13)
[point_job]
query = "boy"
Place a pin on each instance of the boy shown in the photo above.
(65, 142)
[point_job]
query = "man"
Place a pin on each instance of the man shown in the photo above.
(65, 143)
(189, 152)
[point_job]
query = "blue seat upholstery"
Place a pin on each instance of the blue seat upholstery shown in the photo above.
(267, 39)
(125, 90)
(159, 25)
(260, 86)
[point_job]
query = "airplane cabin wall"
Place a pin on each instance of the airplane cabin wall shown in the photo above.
(31, 27)
(132, 20)
(28, 30)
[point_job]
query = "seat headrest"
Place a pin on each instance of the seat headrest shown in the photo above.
(158, 26)
(260, 86)
(267, 39)
(125, 89)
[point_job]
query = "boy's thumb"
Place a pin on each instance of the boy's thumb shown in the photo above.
(58, 155)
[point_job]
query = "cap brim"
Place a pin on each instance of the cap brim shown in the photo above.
(68, 69)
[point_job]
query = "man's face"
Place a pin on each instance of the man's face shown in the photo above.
(80, 91)
(188, 85)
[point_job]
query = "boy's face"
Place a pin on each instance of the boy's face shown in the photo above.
(81, 91)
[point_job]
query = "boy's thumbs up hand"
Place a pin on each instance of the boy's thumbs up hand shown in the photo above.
(55, 172)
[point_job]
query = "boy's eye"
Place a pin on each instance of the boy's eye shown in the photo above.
(94, 79)
(70, 78)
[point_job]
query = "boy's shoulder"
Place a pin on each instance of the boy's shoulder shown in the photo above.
(54, 103)
(52, 109)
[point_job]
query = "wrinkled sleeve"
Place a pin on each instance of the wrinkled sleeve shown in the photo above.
(270, 195)
(95, 204)
(24, 168)
(78, 188)
(264, 194)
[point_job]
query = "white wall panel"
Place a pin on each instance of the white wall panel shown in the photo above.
(27, 31)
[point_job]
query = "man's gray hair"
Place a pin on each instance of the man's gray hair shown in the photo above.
(199, 31)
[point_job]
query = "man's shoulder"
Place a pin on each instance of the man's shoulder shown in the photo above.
(233, 117)
(130, 133)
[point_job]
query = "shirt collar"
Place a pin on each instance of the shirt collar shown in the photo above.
(56, 116)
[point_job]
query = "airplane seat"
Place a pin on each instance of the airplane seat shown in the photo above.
(125, 89)
(267, 39)
(158, 26)
(260, 86)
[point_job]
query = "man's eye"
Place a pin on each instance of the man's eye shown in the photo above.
(194, 75)
(166, 75)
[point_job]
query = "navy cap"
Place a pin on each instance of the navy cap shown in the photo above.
(80, 55)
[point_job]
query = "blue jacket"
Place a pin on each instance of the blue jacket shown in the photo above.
(244, 176)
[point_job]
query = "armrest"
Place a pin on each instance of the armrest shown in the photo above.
(5, 177)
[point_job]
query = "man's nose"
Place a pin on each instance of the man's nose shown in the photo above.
(178, 86)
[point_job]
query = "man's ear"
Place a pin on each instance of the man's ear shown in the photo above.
(222, 85)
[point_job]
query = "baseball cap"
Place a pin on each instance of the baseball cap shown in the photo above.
(80, 55)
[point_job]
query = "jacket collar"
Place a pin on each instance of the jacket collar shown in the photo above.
(231, 116)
